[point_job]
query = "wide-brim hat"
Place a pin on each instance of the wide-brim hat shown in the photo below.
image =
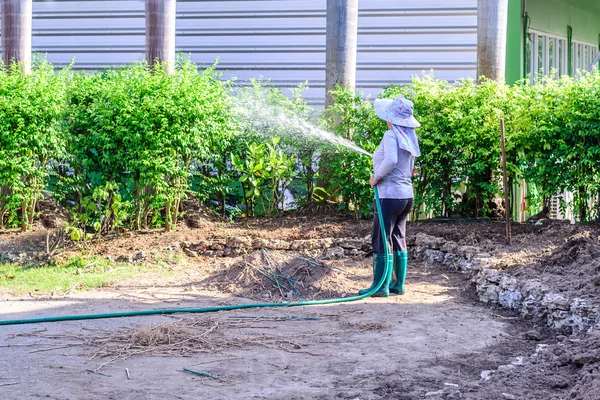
(398, 111)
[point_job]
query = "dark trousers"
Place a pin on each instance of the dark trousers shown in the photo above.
(395, 213)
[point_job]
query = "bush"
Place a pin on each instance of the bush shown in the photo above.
(123, 148)
(31, 138)
(138, 134)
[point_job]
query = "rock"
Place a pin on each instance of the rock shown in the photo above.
(518, 361)
(334, 253)
(436, 393)
(309, 244)
(540, 348)
(533, 288)
(433, 256)
(351, 243)
(506, 368)
(508, 282)
(556, 302)
(466, 251)
(452, 260)
(509, 396)
(199, 247)
(558, 382)
(190, 253)
(240, 242)
(449, 247)
(482, 262)
(453, 395)
(510, 299)
(217, 244)
(486, 375)
(354, 252)
(533, 335)
(586, 358)
(260, 243)
(451, 384)
(125, 258)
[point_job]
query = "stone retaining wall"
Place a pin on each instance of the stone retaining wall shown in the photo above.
(529, 297)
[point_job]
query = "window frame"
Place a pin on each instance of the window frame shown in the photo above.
(583, 55)
(558, 64)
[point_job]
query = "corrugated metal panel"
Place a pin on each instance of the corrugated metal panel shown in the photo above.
(283, 40)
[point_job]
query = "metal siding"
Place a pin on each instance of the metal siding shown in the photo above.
(285, 40)
(282, 40)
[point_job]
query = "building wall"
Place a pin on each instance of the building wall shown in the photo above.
(549, 17)
(283, 40)
(553, 16)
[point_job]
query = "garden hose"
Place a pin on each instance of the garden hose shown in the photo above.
(374, 288)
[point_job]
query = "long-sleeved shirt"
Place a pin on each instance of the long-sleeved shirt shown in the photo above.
(393, 168)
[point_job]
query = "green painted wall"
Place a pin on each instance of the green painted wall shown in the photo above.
(514, 42)
(553, 16)
(550, 16)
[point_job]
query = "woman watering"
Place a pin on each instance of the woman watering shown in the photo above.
(393, 163)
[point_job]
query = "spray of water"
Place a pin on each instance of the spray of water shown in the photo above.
(255, 111)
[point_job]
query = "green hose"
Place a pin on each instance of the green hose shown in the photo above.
(388, 266)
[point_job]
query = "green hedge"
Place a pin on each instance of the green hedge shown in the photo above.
(553, 142)
(123, 148)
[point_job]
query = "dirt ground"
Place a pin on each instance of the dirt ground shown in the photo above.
(402, 347)
(435, 342)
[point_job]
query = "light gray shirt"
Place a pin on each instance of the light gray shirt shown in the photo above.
(393, 168)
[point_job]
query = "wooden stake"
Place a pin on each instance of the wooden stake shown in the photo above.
(505, 176)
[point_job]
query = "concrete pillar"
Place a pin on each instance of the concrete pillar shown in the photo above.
(342, 32)
(491, 38)
(160, 32)
(16, 32)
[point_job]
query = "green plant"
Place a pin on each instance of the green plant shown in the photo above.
(266, 172)
(346, 173)
(31, 112)
(140, 132)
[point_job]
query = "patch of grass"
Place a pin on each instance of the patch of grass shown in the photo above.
(79, 273)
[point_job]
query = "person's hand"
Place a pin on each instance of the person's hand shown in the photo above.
(373, 182)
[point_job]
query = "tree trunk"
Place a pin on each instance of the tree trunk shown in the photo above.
(160, 32)
(582, 204)
(16, 32)
(342, 33)
(491, 38)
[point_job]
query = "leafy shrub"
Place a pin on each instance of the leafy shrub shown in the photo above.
(31, 112)
(138, 133)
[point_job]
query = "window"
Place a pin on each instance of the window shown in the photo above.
(546, 54)
(583, 55)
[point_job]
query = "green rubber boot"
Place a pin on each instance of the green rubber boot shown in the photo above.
(399, 272)
(378, 269)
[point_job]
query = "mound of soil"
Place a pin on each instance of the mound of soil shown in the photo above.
(52, 214)
(568, 369)
(196, 215)
(491, 235)
(572, 267)
(281, 276)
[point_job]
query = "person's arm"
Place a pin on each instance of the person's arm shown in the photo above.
(390, 156)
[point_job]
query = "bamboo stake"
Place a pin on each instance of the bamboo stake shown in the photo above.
(507, 209)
